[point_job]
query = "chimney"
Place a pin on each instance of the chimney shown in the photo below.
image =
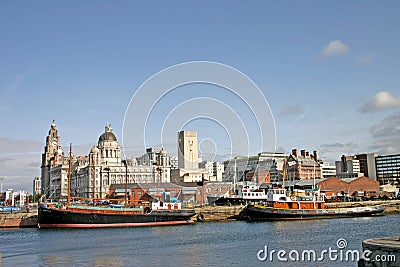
(315, 156)
(294, 152)
(303, 152)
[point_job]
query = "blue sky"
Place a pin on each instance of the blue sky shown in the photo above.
(329, 70)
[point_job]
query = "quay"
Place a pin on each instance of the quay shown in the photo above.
(18, 219)
(384, 252)
(217, 213)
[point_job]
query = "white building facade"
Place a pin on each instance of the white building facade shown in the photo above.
(92, 175)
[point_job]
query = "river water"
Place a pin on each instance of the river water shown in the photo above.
(200, 244)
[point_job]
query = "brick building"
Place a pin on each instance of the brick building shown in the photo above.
(303, 166)
(139, 193)
(333, 187)
(258, 176)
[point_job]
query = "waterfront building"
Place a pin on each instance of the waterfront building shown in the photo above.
(388, 169)
(215, 170)
(258, 176)
(158, 161)
(303, 166)
(345, 175)
(334, 187)
(52, 146)
(188, 150)
(188, 160)
(173, 162)
(179, 176)
(144, 192)
(367, 164)
(218, 189)
(327, 170)
(237, 168)
(93, 174)
(348, 166)
(12, 198)
(37, 186)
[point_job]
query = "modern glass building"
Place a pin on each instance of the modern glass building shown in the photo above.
(388, 169)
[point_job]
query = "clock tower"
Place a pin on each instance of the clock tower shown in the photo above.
(52, 146)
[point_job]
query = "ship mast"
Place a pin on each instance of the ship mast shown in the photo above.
(94, 178)
(234, 179)
(125, 162)
(69, 176)
(284, 172)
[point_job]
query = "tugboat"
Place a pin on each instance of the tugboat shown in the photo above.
(281, 205)
(86, 216)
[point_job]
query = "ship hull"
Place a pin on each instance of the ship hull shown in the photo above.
(59, 218)
(263, 213)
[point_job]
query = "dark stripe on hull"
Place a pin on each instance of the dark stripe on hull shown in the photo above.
(269, 214)
(111, 225)
(64, 218)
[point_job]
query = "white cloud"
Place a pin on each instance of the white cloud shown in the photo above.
(380, 101)
(334, 48)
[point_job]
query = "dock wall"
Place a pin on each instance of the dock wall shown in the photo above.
(385, 252)
(217, 213)
(18, 219)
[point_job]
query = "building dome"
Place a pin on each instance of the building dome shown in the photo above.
(108, 135)
(94, 150)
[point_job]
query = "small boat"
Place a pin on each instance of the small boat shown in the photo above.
(280, 205)
(58, 215)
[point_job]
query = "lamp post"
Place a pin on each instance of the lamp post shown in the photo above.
(125, 162)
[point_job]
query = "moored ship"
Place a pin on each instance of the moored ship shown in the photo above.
(282, 206)
(69, 215)
(79, 216)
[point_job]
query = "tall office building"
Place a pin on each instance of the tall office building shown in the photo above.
(367, 164)
(388, 169)
(188, 150)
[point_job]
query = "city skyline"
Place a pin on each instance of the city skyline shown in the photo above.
(329, 72)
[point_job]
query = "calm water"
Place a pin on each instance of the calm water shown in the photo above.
(201, 244)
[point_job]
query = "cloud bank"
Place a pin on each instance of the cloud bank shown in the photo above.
(386, 135)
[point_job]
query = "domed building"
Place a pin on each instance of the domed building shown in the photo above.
(93, 174)
(103, 166)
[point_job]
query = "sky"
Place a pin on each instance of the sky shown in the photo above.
(328, 71)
